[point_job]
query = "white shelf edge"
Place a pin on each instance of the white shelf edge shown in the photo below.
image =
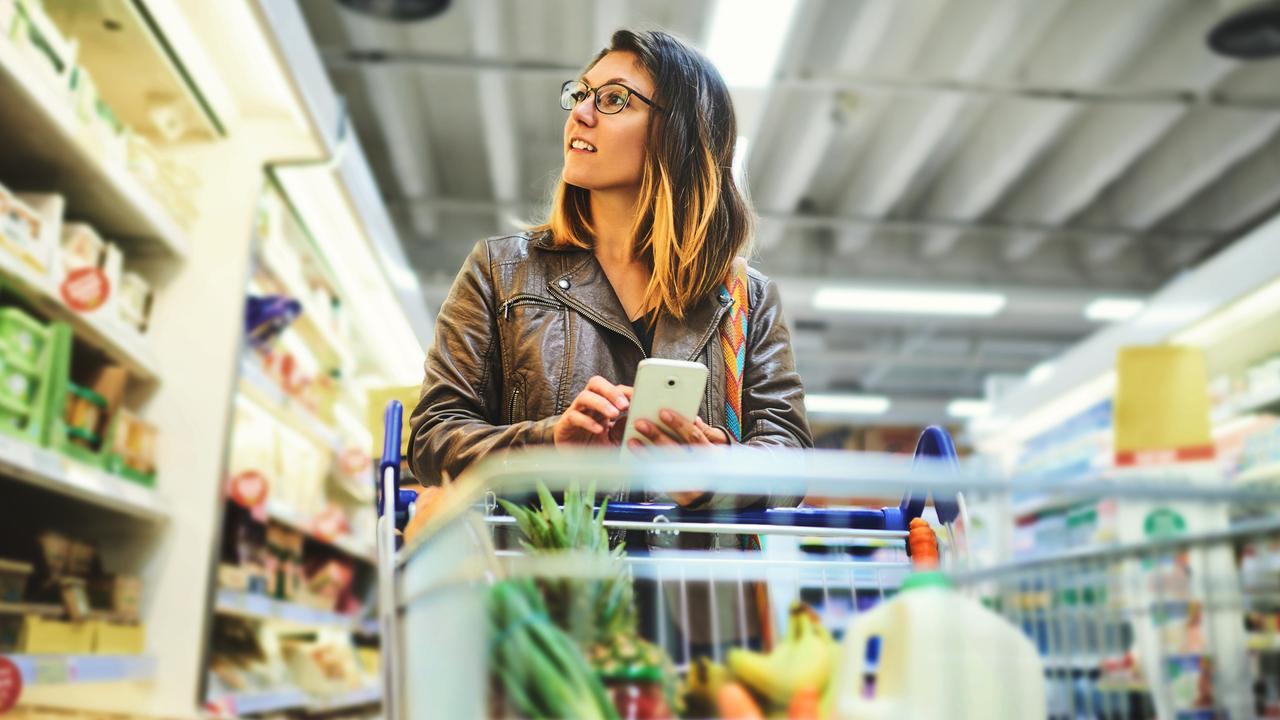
(118, 341)
(68, 669)
(261, 607)
(293, 698)
(59, 115)
(47, 469)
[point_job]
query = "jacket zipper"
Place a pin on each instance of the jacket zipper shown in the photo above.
(626, 333)
(505, 309)
(511, 411)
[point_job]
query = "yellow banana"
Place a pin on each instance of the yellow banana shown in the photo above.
(803, 659)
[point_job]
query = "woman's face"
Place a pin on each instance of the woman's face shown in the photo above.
(617, 162)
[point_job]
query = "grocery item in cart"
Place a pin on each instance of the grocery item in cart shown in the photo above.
(933, 653)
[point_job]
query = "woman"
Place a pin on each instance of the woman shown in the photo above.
(540, 336)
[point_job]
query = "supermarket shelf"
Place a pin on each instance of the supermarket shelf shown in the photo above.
(260, 607)
(347, 544)
(49, 470)
(1268, 472)
(257, 387)
(1264, 641)
(318, 336)
(120, 342)
(1265, 401)
(291, 698)
(102, 193)
(64, 669)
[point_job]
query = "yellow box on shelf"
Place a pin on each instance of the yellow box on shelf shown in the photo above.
(43, 636)
(117, 639)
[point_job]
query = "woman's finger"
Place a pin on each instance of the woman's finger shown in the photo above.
(608, 391)
(715, 435)
(581, 420)
(682, 428)
(655, 434)
(588, 400)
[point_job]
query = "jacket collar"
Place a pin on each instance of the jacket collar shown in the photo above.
(586, 288)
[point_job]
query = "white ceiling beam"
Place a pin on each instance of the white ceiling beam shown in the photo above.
(1199, 150)
(920, 134)
(1017, 133)
(1250, 189)
(886, 35)
(488, 39)
(403, 127)
(838, 359)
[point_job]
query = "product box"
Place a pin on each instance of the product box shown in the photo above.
(135, 301)
(47, 54)
(119, 594)
(51, 208)
(116, 639)
(41, 636)
(21, 226)
(84, 249)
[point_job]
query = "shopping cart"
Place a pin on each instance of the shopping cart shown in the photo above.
(1154, 624)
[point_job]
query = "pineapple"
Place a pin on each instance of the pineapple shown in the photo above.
(610, 639)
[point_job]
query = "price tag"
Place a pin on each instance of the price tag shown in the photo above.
(10, 685)
(52, 671)
(85, 289)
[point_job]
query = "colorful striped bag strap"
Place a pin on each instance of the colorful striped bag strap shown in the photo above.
(733, 342)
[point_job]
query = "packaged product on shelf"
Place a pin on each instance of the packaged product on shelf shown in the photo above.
(284, 550)
(21, 227)
(13, 580)
(83, 250)
(102, 132)
(75, 597)
(45, 50)
(133, 444)
(135, 301)
(321, 668)
(118, 639)
(51, 208)
(43, 636)
(121, 595)
(84, 412)
(23, 335)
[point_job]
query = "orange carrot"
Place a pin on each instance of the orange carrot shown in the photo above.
(804, 705)
(737, 704)
(923, 544)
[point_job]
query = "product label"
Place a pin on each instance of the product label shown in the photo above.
(10, 685)
(85, 289)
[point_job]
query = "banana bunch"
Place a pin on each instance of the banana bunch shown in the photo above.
(702, 687)
(803, 661)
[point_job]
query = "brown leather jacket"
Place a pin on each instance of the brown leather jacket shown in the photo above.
(526, 325)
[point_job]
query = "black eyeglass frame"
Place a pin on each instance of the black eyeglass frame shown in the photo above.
(595, 100)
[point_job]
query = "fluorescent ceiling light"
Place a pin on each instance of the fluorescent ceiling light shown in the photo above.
(1041, 372)
(909, 302)
(847, 404)
(747, 38)
(1113, 309)
(968, 408)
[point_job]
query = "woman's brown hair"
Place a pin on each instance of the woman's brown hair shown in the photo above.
(693, 219)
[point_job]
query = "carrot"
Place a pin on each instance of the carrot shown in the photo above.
(804, 705)
(736, 703)
(923, 544)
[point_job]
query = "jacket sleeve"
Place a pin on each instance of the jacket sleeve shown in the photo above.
(772, 397)
(454, 422)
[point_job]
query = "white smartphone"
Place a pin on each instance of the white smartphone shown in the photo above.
(664, 385)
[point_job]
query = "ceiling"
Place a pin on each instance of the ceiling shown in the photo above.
(1052, 150)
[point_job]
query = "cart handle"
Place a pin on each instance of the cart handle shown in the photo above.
(935, 444)
(388, 480)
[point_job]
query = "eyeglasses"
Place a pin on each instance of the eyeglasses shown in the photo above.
(610, 98)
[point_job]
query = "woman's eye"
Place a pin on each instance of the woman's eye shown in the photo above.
(578, 96)
(613, 99)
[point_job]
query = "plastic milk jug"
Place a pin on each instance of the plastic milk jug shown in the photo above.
(933, 654)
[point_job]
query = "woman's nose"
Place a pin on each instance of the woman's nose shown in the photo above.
(585, 111)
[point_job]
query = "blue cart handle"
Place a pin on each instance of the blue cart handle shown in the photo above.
(388, 480)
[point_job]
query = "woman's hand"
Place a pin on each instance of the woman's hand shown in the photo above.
(680, 431)
(595, 417)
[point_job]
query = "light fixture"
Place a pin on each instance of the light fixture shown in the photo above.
(909, 302)
(1113, 309)
(397, 10)
(1249, 32)
(747, 39)
(968, 408)
(847, 404)
(1041, 372)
